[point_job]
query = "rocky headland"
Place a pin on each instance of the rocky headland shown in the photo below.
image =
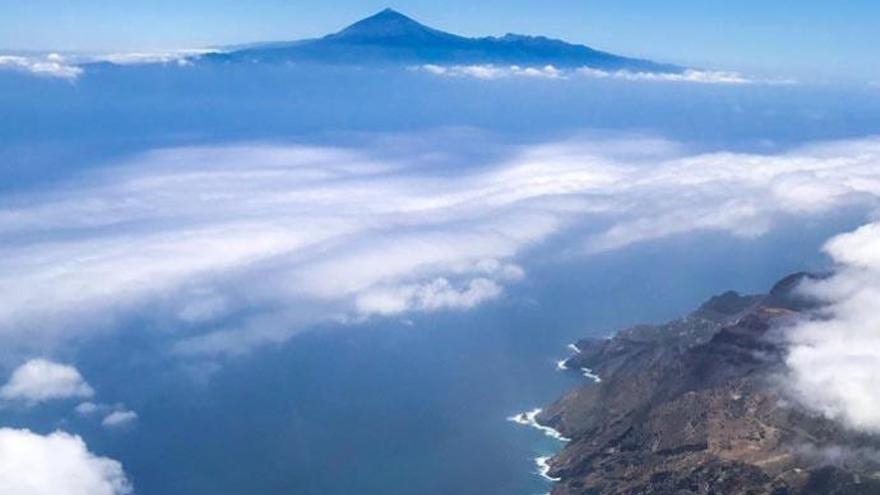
(699, 406)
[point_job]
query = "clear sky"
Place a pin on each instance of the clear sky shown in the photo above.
(818, 37)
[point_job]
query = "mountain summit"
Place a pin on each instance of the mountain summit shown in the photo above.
(391, 38)
(388, 25)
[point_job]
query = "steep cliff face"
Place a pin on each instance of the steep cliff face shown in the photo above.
(698, 406)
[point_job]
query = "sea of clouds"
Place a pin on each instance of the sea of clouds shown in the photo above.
(280, 237)
(314, 234)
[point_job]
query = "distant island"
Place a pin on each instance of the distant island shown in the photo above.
(391, 38)
(694, 407)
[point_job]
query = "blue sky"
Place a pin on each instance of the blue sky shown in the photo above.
(796, 37)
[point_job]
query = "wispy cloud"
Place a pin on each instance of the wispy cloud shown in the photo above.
(694, 76)
(113, 416)
(687, 76)
(119, 419)
(490, 71)
(310, 234)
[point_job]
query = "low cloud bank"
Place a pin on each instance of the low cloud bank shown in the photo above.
(489, 71)
(175, 57)
(312, 234)
(51, 65)
(493, 72)
(70, 66)
(688, 76)
(55, 464)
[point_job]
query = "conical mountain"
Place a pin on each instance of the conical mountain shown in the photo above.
(389, 25)
(391, 38)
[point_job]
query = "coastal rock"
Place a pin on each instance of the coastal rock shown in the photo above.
(698, 406)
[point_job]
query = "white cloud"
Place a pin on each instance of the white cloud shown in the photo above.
(432, 296)
(834, 359)
(86, 408)
(51, 65)
(39, 380)
(119, 418)
(311, 234)
(493, 72)
(55, 464)
(687, 76)
(111, 415)
(178, 57)
(70, 66)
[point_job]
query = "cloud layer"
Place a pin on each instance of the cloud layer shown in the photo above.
(70, 66)
(51, 65)
(55, 464)
(694, 76)
(489, 72)
(306, 234)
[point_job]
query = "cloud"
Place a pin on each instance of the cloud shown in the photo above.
(176, 57)
(694, 76)
(86, 408)
(119, 418)
(55, 464)
(112, 415)
(491, 71)
(687, 76)
(39, 380)
(432, 296)
(51, 65)
(286, 236)
(71, 66)
(834, 359)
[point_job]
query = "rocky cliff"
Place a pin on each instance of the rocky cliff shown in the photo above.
(698, 406)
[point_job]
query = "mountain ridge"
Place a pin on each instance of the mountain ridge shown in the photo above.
(392, 38)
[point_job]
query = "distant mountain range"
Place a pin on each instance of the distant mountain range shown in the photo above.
(391, 38)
